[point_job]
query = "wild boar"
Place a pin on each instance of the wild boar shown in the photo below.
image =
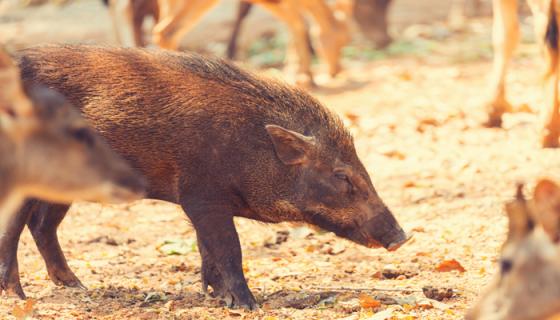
(221, 143)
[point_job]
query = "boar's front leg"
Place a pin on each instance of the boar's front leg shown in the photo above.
(220, 251)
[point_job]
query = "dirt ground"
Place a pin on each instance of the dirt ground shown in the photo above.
(415, 111)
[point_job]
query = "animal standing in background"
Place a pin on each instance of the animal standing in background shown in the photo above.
(49, 152)
(175, 18)
(459, 11)
(220, 142)
(528, 284)
(128, 19)
(179, 17)
(370, 15)
(505, 37)
(128, 16)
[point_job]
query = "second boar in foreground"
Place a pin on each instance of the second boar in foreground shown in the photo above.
(220, 142)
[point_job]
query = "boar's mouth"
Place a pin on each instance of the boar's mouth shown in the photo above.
(380, 231)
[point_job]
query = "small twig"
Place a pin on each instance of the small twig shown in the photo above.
(366, 289)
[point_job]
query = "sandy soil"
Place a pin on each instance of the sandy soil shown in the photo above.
(416, 116)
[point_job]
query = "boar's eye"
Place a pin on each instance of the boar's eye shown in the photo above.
(341, 176)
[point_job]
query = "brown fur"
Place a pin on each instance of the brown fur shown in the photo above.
(221, 142)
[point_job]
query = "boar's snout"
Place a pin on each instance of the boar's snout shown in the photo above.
(381, 230)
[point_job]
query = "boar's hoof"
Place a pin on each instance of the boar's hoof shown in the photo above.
(234, 302)
(237, 297)
(12, 287)
(67, 280)
(231, 300)
(211, 277)
(9, 280)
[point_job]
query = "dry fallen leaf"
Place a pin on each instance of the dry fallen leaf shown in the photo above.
(424, 305)
(418, 229)
(26, 311)
(368, 302)
(450, 265)
(423, 254)
(409, 184)
(405, 75)
(394, 154)
(353, 118)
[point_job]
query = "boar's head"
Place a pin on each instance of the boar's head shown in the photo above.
(332, 189)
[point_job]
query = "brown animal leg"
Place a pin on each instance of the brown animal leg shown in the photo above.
(550, 114)
(210, 275)
(138, 22)
(140, 10)
(371, 17)
(333, 34)
(220, 251)
(45, 219)
(550, 117)
(122, 16)
(177, 18)
(505, 37)
(242, 12)
(9, 271)
(457, 15)
(288, 12)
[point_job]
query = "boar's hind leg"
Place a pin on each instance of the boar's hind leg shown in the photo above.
(45, 218)
(220, 251)
(9, 274)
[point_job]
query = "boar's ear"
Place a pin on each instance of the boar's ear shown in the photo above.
(291, 147)
(546, 201)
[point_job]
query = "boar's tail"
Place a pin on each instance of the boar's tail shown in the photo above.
(106, 2)
(551, 37)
